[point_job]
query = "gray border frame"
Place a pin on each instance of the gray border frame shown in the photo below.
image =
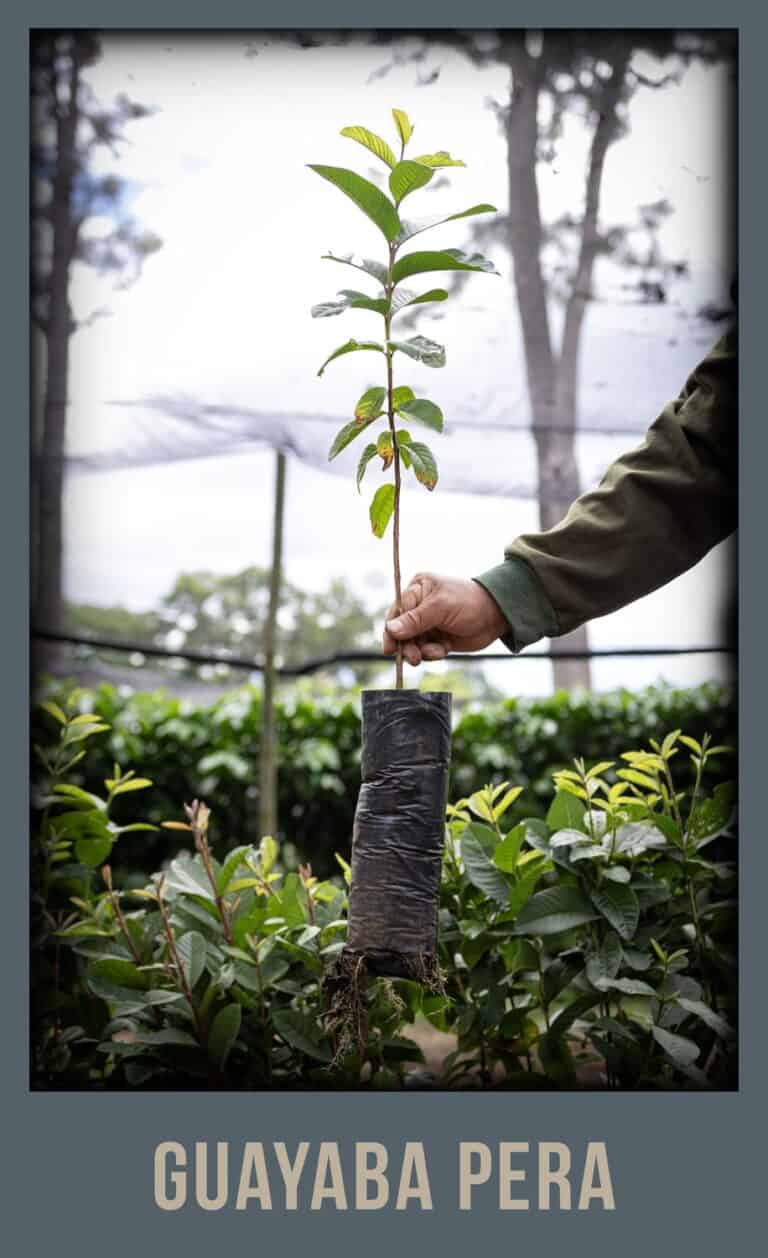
(685, 1166)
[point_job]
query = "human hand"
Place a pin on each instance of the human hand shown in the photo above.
(440, 615)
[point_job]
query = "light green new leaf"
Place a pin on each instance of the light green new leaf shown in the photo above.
(407, 177)
(424, 464)
(422, 349)
(346, 435)
(414, 227)
(350, 347)
(423, 410)
(369, 265)
(368, 453)
(403, 124)
(351, 299)
(366, 196)
(436, 160)
(440, 260)
(223, 1033)
(381, 509)
(372, 142)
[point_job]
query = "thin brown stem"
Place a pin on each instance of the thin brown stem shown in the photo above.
(114, 898)
(396, 465)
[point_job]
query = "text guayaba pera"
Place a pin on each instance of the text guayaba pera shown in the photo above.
(519, 1175)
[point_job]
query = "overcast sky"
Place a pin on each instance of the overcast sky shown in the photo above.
(222, 313)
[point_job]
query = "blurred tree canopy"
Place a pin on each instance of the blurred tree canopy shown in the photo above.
(68, 125)
(554, 74)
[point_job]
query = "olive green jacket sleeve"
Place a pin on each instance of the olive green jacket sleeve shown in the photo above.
(656, 512)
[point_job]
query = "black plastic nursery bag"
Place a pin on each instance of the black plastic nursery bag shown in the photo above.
(399, 830)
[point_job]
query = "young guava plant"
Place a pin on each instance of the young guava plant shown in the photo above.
(394, 445)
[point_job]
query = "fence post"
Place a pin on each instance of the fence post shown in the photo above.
(268, 765)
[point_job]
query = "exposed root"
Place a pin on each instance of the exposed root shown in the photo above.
(345, 989)
(346, 1014)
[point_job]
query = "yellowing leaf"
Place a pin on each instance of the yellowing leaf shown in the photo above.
(381, 509)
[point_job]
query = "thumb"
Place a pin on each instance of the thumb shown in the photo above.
(428, 615)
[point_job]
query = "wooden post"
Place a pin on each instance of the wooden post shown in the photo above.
(269, 760)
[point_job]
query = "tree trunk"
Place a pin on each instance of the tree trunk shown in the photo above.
(558, 476)
(48, 610)
(268, 819)
(563, 473)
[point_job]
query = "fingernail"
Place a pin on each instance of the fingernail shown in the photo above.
(394, 626)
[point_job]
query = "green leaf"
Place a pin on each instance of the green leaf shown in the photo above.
(169, 1035)
(192, 950)
(683, 1052)
(422, 349)
(707, 1016)
(407, 177)
(628, 986)
(566, 812)
(366, 196)
(188, 877)
(368, 453)
(439, 260)
(76, 793)
(223, 1033)
(351, 299)
(421, 409)
(302, 1032)
(93, 852)
(478, 844)
(372, 142)
(401, 395)
(525, 887)
(555, 909)
(414, 227)
(54, 710)
(403, 124)
(618, 905)
(507, 852)
(438, 160)
(424, 465)
(368, 265)
(229, 868)
(607, 960)
(403, 297)
(349, 347)
(122, 973)
(712, 817)
(382, 506)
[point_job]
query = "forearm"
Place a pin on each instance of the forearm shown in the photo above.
(657, 511)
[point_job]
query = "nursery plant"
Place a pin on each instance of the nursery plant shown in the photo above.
(591, 948)
(398, 829)
(389, 401)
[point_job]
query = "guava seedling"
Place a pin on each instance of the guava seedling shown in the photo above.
(394, 403)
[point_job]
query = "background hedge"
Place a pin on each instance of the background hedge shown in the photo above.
(211, 752)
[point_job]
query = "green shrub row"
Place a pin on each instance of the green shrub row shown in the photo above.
(212, 752)
(593, 947)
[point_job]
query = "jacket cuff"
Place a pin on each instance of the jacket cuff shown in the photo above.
(526, 608)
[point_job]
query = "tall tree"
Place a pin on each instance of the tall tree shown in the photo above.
(68, 125)
(553, 74)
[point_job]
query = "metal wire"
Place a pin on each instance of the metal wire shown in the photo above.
(363, 657)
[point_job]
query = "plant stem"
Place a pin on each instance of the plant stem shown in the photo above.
(396, 465)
